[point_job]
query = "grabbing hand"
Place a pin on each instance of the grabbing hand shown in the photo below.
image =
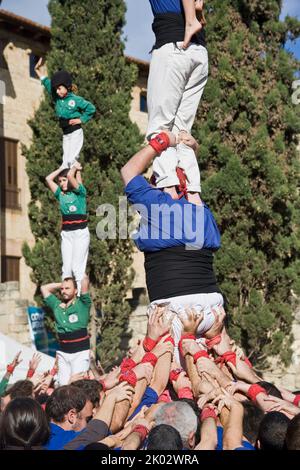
(74, 122)
(187, 139)
(157, 325)
(16, 361)
(143, 371)
(34, 362)
(39, 64)
(193, 320)
(123, 391)
(218, 324)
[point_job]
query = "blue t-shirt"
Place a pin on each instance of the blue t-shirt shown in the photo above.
(150, 397)
(166, 6)
(245, 444)
(59, 437)
(167, 223)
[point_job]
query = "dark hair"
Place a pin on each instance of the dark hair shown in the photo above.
(96, 446)
(164, 437)
(63, 173)
(194, 405)
(253, 416)
(92, 389)
(292, 439)
(64, 399)
(272, 431)
(23, 424)
(42, 398)
(73, 280)
(21, 388)
(270, 389)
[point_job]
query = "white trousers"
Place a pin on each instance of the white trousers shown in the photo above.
(175, 309)
(72, 145)
(74, 252)
(70, 364)
(177, 78)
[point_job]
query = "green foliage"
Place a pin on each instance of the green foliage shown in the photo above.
(248, 128)
(86, 40)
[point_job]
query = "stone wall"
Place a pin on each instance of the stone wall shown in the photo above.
(13, 313)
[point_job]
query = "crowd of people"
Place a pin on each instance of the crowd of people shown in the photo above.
(187, 385)
(215, 401)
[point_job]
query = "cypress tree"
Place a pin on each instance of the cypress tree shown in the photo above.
(248, 129)
(86, 41)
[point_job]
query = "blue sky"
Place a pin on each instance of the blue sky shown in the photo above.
(139, 18)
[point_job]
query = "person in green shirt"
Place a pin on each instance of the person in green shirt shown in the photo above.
(71, 109)
(71, 314)
(75, 235)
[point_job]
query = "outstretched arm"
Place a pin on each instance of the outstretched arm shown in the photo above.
(142, 159)
(72, 175)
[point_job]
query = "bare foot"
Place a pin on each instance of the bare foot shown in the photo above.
(172, 191)
(190, 30)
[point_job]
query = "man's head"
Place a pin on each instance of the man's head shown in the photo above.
(92, 389)
(68, 289)
(182, 417)
(253, 416)
(21, 388)
(164, 437)
(62, 180)
(272, 431)
(69, 408)
(292, 440)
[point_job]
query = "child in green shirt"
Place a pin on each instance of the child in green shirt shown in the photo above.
(75, 236)
(71, 109)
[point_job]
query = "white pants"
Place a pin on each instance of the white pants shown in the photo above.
(74, 252)
(175, 309)
(72, 145)
(177, 78)
(70, 364)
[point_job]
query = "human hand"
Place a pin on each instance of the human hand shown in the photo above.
(189, 346)
(111, 378)
(187, 139)
(74, 122)
(227, 400)
(143, 371)
(162, 348)
(34, 362)
(77, 165)
(16, 360)
(121, 392)
(218, 324)
(191, 321)
(277, 404)
(157, 325)
(39, 64)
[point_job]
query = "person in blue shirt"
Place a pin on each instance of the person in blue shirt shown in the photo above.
(69, 412)
(178, 239)
(177, 78)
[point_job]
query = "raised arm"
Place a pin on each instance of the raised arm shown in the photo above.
(72, 175)
(142, 159)
(85, 284)
(38, 66)
(50, 180)
(49, 289)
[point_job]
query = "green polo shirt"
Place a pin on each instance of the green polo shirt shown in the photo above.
(72, 318)
(72, 202)
(71, 106)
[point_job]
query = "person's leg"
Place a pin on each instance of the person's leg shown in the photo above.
(192, 25)
(64, 368)
(81, 244)
(168, 75)
(66, 253)
(80, 362)
(186, 113)
(76, 144)
(66, 150)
